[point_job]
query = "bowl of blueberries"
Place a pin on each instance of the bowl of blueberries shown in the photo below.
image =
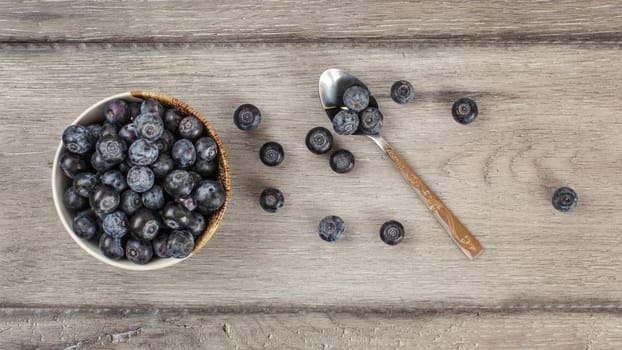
(141, 180)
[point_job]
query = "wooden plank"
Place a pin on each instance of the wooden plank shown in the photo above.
(81, 329)
(548, 118)
(311, 21)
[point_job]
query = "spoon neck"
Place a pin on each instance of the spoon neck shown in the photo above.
(380, 141)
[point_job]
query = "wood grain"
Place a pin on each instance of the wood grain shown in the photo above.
(318, 21)
(81, 329)
(547, 118)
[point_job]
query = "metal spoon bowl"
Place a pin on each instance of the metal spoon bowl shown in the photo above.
(333, 83)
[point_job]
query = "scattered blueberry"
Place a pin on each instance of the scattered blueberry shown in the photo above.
(197, 224)
(209, 195)
(115, 224)
(149, 126)
(109, 129)
(271, 154)
(85, 183)
(143, 152)
(356, 98)
(130, 202)
(140, 178)
(111, 247)
(565, 199)
(206, 147)
(175, 216)
(171, 120)
(206, 168)
(179, 183)
(271, 200)
(129, 133)
(331, 228)
(166, 141)
(402, 92)
(392, 232)
(114, 179)
(71, 164)
(95, 130)
(371, 121)
(190, 128)
(73, 201)
(145, 224)
(342, 161)
(319, 140)
(112, 148)
(180, 244)
(154, 198)
(160, 244)
(104, 199)
(247, 117)
(464, 110)
(99, 163)
(184, 153)
(116, 112)
(77, 139)
(152, 107)
(346, 122)
(84, 225)
(163, 165)
(138, 252)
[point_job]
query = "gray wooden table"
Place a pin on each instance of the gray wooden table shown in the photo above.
(547, 77)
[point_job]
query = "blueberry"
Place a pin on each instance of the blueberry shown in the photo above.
(145, 224)
(371, 121)
(271, 154)
(134, 108)
(392, 232)
(111, 247)
(124, 167)
(176, 216)
(152, 107)
(196, 176)
(356, 98)
(197, 224)
(180, 244)
(160, 244)
(271, 200)
(95, 130)
(143, 152)
(130, 202)
(138, 252)
(140, 178)
(464, 110)
(209, 195)
(84, 225)
(71, 164)
(166, 141)
(331, 228)
(116, 112)
(346, 122)
(163, 165)
(247, 117)
(565, 199)
(171, 120)
(183, 153)
(114, 179)
(115, 224)
(85, 183)
(104, 199)
(402, 92)
(179, 183)
(342, 161)
(112, 148)
(187, 202)
(206, 168)
(99, 164)
(73, 201)
(129, 133)
(109, 129)
(154, 198)
(149, 126)
(77, 139)
(319, 140)
(206, 147)
(190, 128)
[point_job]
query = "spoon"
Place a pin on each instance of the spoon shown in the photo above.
(333, 83)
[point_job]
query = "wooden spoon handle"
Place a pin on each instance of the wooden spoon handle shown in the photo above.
(469, 245)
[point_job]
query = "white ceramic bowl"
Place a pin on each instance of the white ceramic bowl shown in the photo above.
(60, 182)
